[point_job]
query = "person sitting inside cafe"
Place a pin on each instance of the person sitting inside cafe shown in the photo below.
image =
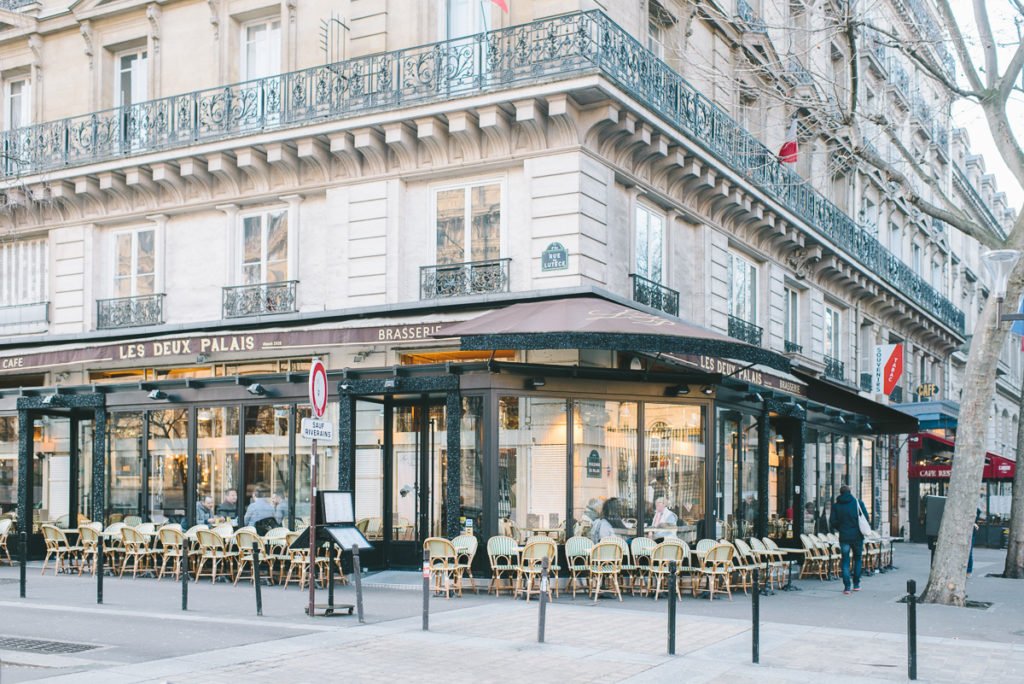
(609, 522)
(260, 508)
(204, 510)
(229, 506)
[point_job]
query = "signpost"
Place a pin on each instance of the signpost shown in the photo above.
(314, 430)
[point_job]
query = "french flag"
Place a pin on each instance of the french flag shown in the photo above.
(788, 152)
(502, 4)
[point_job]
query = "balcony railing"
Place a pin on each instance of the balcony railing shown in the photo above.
(798, 72)
(867, 382)
(260, 299)
(129, 312)
(745, 330)
(899, 78)
(15, 4)
(459, 280)
(24, 317)
(834, 369)
(981, 208)
(749, 17)
(548, 49)
(793, 347)
(655, 295)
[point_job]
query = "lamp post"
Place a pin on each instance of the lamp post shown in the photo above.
(1000, 263)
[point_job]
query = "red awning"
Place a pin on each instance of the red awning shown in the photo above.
(931, 458)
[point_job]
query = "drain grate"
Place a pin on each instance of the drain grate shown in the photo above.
(41, 646)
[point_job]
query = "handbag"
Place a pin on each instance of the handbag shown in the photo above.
(862, 522)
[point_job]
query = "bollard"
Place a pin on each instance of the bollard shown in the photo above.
(672, 608)
(330, 581)
(426, 590)
(24, 560)
(256, 579)
(358, 578)
(98, 567)
(911, 629)
(543, 600)
(183, 567)
(756, 617)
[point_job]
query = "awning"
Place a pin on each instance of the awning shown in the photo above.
(755, 375)
(883, 419)
(591, 322)
(934, 415)
(931, 458)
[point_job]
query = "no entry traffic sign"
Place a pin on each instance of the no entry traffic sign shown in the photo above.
(318, 388)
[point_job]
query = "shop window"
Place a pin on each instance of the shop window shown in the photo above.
(8, 463)
(135, 263)
(267, 480)
(124, 466)
(327, 463)
(369, 476)
(472, 476)
(477, 206)
(675, 450)
(17, 103)
(168, 465)
(265, 247)
(261, 49)
(736, 474)
(742, 289)
(649, 243)
(604, 465)
(217, 479)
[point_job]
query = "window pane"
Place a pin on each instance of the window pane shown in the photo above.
(451, 218)
(252, 240)
(252, 274)
(123, 254)
(736, 474)
(145, 253)
(655, 249)
(145, 285)
(472, 481)
(217, 459)
(642, 243)
(369, 455)
(124, 463)
(277, 272)
(486, 208)
(267, 481)
(604, 468)
(8, 462)
(674, 447)
(168, 453)
(277, 239)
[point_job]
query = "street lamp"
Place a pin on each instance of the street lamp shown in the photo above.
(1000, 263)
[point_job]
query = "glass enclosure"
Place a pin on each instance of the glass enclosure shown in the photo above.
(168, 473)
(675, 445)
(604, 465)
(736, 474)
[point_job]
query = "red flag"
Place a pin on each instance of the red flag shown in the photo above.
(502, 4)
(788, 152)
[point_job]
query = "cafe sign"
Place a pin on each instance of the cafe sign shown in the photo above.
(714, 364)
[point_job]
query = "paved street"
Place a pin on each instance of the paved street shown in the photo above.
(140, 634)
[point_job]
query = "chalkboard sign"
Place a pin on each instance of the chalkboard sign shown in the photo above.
(594, 464)
(554, 258)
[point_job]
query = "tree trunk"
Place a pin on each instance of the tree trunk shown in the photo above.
(1014, 567)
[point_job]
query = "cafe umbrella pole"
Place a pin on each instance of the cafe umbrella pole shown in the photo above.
(312, 532)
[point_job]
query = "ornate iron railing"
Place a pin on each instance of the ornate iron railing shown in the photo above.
(749, 17)
(553, 48)
(745, 330)
(655, 295)
(15, 4)
(923, 113)
(933, 34)
(877, 50)
(899, 78)
(941, 137)
(835, 369)
(129, 312)
(793, 347)
(260, 299)
(798, 72)
(963, 183)
(458, 280)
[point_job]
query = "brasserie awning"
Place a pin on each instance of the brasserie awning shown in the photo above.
(884, 419)
(590, 322)
(931, 458)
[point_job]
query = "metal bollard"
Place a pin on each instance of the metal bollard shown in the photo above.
(543, 616)
(426, 590)
(98, 563)
(911, 629)
(358, 579)
(756, 629)
(330, 580)
(256, 579)
(24, 560)
(672, 608)
(183, 567)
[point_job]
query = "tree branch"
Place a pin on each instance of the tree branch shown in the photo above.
(1009, 79)
(988, 43)
(961, 46)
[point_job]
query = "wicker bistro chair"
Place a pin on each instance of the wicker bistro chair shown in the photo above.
(132, 520)
(465, 550)
(64, 554)
(769, 561)
(172, 550)
(137, 551)
(640, 549)
(605, 568)
(503, 555)
(213, 552)
(244, 539)
(715, 569)
(297, 561)
(629, 568)
(831, 542)
(89, 540)
(577, 555)
(814, 562)
(659, 568)
(687, 569)
(531, 564)
(442, 561)
(112, 546)
(743, 563)
(6, 527)
(780, 560)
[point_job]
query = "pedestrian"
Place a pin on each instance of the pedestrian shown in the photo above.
(974, 533)
(843, 519)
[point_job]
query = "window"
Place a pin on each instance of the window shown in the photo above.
(261, 49)
(915, 258)
(742, 289)
(650, 240)
(937, 275)
(655, 38)
(131, 78)
(23, 272)
(478, 206)
(134, 263)
(467, 17)
(265, 247)
(833, 333)
(792, 324)
(895, 240)
(17, 105)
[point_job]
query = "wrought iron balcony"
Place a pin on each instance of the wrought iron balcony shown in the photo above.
(980, 207)
(655, 295)
(129, 312)
(548, 49)
(797, 72)
(16, 4)
(24, 317)
(744, 330)
(793, 347)
(867, 382)
(260, 299)
(898, 77)
(749, 17)
(459, 280)
(835, 369)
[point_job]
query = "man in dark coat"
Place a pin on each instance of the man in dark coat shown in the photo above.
(843, 520)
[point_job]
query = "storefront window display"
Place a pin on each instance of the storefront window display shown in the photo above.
(675, 448)
(737, 474)
(8, 462)
(471, 500)
(124, 466)
(168, 455)
(217, 461)
(604, 464)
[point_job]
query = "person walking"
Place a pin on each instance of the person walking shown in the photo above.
(974, 533)
(843, 520)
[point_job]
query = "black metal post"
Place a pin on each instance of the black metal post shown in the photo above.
(543, 600)
(911, 629)
(756, 616)
(98, 567)
(330, 580)
(426, 590)
(672, 609)
(23, 538)
(357, 573)
(183, 566)
(256, 579)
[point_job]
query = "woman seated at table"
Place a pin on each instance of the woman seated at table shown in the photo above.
(663, 516)
(609, 522)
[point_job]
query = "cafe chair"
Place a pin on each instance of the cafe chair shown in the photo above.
(465, 550)
(640, 549)
(659, 567)
(503, 554)
(137, 552)
(132, 520)
(213, 552)
(441, 563)
(57, 547)
(628, 569)
(577, 556)
(779, 560)
(172, 549)
(89, 540)
(715, 569)
(297, 561)
(531, 565)
(743, 564)
(244, 539)
(6, 527)
(605, 569)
